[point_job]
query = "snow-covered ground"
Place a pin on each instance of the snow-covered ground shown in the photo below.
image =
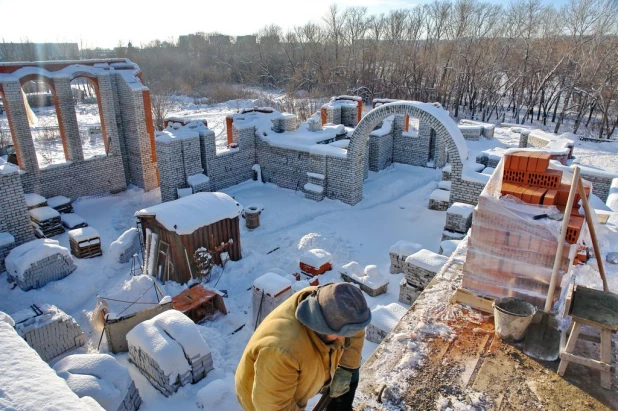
(394, 208)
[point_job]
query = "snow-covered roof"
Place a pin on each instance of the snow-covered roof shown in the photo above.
(189, 213)
(28, 383)
(316, 257)
(272, 284)
(428, 260)
(169, 339)
(98, 376)
(22, 257)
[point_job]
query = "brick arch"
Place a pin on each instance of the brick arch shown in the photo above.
(94, 80)
(437, 119)
(12, 128)
(49, 82)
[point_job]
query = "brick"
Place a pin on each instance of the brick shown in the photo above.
(550, 197)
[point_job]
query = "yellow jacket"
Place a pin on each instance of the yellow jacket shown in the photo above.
(285, 363)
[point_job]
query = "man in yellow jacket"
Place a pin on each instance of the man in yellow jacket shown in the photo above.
(311, 341)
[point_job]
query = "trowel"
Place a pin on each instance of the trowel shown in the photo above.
(556, 217)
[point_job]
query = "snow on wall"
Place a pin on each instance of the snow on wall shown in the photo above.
(125, 246)
(28, 382)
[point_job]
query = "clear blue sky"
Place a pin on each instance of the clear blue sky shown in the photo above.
(106, 23)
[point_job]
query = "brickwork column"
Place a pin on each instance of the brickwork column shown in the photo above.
(13, 208)
(108, 113)
(20, 129)
(67, 119)
(145, 128)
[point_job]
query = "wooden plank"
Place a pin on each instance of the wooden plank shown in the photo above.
(463, 296)
(588, 362)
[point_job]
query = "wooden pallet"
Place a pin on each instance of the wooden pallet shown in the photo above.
(83, 250)
(463, 296)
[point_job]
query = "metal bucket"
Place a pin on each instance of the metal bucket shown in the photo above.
(252, 216)
(512, 317)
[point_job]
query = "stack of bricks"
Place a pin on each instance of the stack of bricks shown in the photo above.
(509, 253)
(114, 390)
(48, 330)
(54, 263)
(169, 351)
(419, 270)
(459, 218)
(398, 254)
(46, 221)
(7, 242)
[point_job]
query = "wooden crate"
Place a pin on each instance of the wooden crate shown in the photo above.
(198, 303)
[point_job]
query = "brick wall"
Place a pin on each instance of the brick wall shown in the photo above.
(600, 184)
(13, 209)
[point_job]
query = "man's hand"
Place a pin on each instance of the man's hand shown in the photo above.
(341, 382)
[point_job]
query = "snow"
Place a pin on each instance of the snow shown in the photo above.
(83, 234)
(385, 317)
(8, 168)
(197, 179)
(272, 284)
(169, 339)
(6, 239)
(488, 170)
(447, 168)
(428, 260)
(315, 175)
(314, 188)
(58, 201)
(172, 134)
(98, 376)
(219, 395)
(445, 185)
(406, 248)
(22, 257)
(124, 242)
(187, 214)
(316, 257)
(184, 192)
(461, 209)
(138, 290)
(33, 199)
(328, 150)
(5, 318)
(28, 383)
(448, 246)
(370, 276)
(43, 213)
(71, 220)
(470, 174)
(27, 318)
(440, 195)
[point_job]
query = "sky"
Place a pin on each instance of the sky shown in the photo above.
(105, 24)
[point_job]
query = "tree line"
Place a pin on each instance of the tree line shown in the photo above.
(518, 62)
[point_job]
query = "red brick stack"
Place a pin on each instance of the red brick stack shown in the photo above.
(510, 253)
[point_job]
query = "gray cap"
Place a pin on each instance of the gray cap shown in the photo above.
(339, 309)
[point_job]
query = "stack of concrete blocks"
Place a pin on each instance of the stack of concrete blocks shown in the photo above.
(458, 220)
(178, 153)
(420, 268)
(398, 254)
(383, 320)
(333, 113)
(490, 158)
(370, 280)
(126, 246)
(169, 351)
(48, 330)
(269, 291)
(34, 264)
(101, 377)
(29, 383)
(284, 122)
(470, 131)
(439, 200)
(485, 129)
(7, 243)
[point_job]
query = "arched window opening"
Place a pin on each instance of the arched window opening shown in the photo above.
(39, 99)
(7, 150)
(88, 111)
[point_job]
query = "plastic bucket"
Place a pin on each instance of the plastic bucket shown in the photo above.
(512, 317)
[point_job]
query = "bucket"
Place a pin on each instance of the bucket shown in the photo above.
(512, 317)
(252, 215)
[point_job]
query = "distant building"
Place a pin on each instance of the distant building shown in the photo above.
(246, 40)
(38, 51)
(219, 39)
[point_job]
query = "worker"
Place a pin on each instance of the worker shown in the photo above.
(311, 343)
